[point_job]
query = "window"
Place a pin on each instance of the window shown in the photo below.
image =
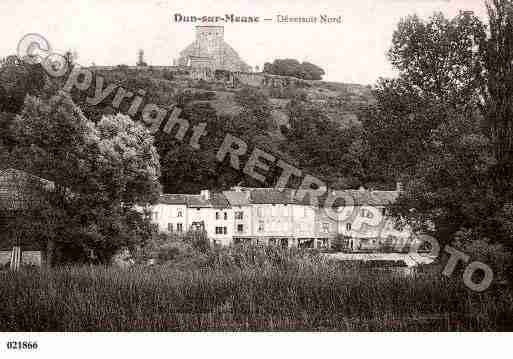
(225, 216)
(325, 227)
(179, 227)
(179, 214)
(260, 212)
(260, 226)
(197, 209)
(384, 211)
(221, 230)
(239, 215)
(322, 243)
(155, 215)
(217, 215)
(366, 213)
(348, 227)
(240, 228)
(170, 227)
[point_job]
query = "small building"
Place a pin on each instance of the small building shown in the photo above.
(209, 212)
(20, 193)
(170, 214)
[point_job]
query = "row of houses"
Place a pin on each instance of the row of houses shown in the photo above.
(266, 216)
(284, 217)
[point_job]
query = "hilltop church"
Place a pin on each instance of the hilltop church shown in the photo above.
(210, 51)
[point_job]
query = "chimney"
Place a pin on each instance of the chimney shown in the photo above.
(399, 187)
(205, 194)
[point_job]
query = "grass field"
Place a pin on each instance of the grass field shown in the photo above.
(249, 289)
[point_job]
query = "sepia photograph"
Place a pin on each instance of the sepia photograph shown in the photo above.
(274, 167)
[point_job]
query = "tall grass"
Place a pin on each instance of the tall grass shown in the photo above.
(246, 289)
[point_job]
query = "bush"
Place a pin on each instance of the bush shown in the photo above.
(495, 255)
(291, 67)
(198, 240)
(203, 85)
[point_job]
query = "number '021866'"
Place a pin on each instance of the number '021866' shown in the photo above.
(21, 345)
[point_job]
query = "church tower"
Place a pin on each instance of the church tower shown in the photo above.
(209, 50)
(210, 38)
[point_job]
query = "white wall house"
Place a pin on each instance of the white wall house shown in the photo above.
(242, 209)
(366, 221)
(272, 216)
(170, 214)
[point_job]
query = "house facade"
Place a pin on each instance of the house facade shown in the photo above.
(270, 216)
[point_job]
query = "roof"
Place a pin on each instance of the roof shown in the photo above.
(304, 197)
(243, 196)
(13, 173)
(197, 201)
(18, 189)
(367, 198)
(272, 196)
(237, 198)
(173, 199)
(218, 200)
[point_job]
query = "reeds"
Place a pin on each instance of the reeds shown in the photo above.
(246, 289)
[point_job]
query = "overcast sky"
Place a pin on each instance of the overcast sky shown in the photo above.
(109, 32)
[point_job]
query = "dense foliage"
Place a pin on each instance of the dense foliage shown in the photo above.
(100, 171)
(294, 68)
(442, 126)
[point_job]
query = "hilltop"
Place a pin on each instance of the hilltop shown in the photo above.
(342, 101)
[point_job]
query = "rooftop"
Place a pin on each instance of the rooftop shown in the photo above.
(241, 196)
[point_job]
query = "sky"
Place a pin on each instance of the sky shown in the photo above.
(110, 32)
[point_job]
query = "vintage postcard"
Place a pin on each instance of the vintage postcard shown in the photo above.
(271, 166)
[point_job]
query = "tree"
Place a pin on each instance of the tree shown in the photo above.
(438, 57)
(450, 186)
(439, 71)
(17, 79)
(497, 91)
(100, 172)
(292, 67)
(320, 146)
(256, 109)
(458, 181)
(311, 71)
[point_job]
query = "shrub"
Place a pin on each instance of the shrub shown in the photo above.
(198, 240)
(291, 67)
(494, 255)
